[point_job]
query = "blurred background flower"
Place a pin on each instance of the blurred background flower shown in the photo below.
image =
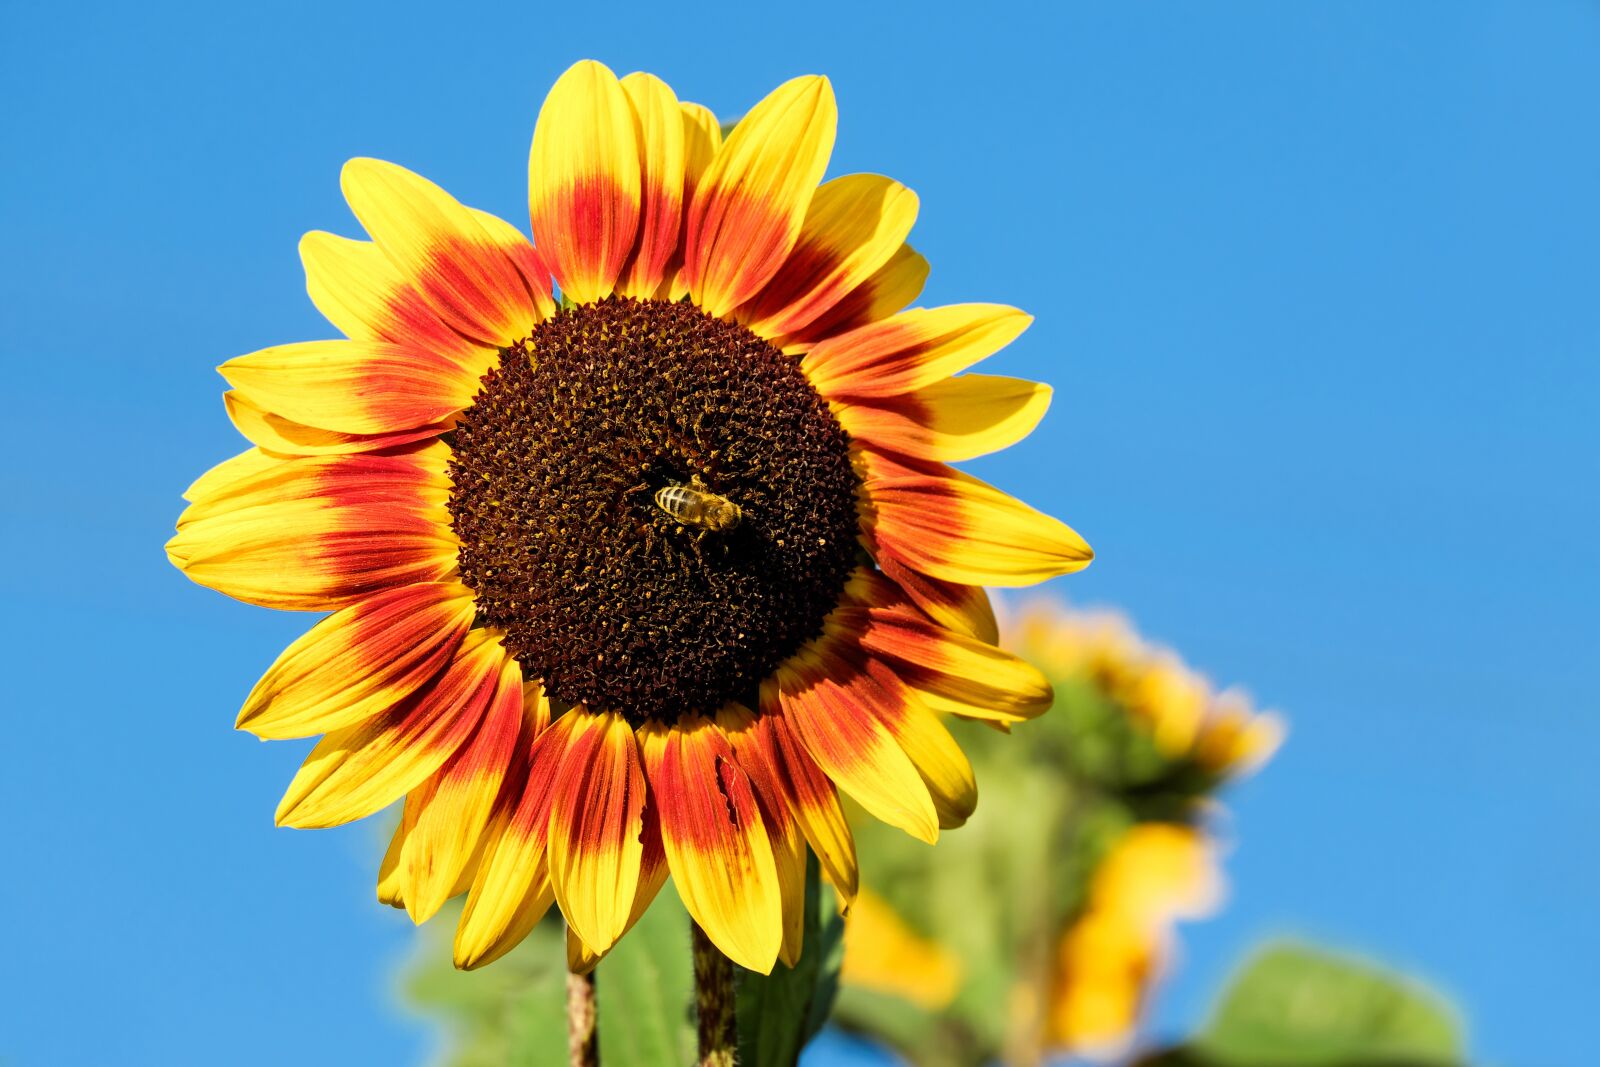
(1047, 934)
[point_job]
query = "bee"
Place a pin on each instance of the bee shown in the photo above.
(695, 505)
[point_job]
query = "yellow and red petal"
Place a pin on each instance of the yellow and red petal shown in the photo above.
(911, 350)
(716, 844)
(360, 661)
(810, 797)
(963, 608)
(659, 125)
(702, 140)
(368, 298)
(950, 525)
(285, 437)
(958, 418)
(357, 770)
(391, 885)
(529, 263)
(852, 228)
(439, 247)
(581, 959)
(837, 712)
(454, 806)
(944, 768)
(974, 677)
(595, 822)
(738, 724)
(894, 285)
(583, 181)
(247, 464)
(353, 387)
(749, 205)
(318, 534)
(512, 889)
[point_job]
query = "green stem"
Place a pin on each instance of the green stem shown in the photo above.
(583, 1031)
(713, 988)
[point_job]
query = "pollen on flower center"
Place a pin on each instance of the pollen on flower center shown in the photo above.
(601, 590)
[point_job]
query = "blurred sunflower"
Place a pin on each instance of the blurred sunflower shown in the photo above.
(627, 582)
(1188, 722)
(1112, 953)
(1054, 910)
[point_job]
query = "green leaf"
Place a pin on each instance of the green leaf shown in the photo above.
(1298, 1006)
(779, 1012)
(645, 991)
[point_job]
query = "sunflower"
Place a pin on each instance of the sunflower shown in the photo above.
(638, 538)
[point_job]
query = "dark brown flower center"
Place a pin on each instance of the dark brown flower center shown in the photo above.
(621, 597)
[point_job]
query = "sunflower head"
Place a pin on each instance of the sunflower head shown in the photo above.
(639, 536)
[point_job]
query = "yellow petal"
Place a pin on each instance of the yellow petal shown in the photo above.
(958, 418)
(595, 823)
(356, 771)
(583, 181)
(455, 805)
(244, 466)
(716, 843)
(440, 248)
(659, 123)
(359, 290)
(894, 285)
(358, 387)
(834, 711)
(950, 525)
(749, 206)
(911, 350)
(853, 227)
(883, 954)
(944, 768)
(360, 661)
(702, 139)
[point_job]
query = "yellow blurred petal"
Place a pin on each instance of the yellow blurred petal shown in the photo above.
(884, 955)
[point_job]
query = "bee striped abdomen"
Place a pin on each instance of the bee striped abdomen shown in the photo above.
(691, 505)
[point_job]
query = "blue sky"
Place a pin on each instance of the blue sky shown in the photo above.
(1315, 283)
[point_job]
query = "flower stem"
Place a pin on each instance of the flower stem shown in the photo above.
(713, 987)
(583, 1032)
